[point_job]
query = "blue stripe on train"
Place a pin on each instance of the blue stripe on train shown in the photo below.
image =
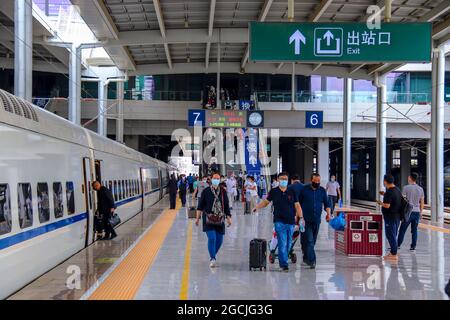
(29, 234)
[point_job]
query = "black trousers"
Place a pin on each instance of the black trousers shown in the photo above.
(109, 230)
(183, 198)
(173, 198)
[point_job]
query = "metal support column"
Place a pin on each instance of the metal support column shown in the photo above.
(119, 123)
(347, 142)
(75, 85)
(293, 87)
(102, 106)
(437, 136)
(323, 160)
(429, 164)
(23, 49)
(380, 133)
(218, 97)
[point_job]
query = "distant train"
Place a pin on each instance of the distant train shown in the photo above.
(47, 206)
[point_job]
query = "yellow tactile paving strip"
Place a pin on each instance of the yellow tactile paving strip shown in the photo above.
(187, 263)
(123, 283)
(434, 228)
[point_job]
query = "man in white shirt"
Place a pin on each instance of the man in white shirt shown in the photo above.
(415, 195)
(333, 191)
(231, 190)
(251, 192)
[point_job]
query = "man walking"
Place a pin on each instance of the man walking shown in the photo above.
(231, 190)
(333, 191)
(313, 200)
(390, 207)
(285, 209)
(261, 187)
(183, 187)
(415, 195)
(106, 208)
(172, 187)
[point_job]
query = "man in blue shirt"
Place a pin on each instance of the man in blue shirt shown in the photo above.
(285, 209)
(296, 185)
(312, 198)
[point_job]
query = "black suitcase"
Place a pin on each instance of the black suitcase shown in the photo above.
(98, 224)
(258, 254)
(192, 213)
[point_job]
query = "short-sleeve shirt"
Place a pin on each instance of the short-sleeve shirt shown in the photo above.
(332, 188)
(414, 193)
(283, 205)
(393, 196)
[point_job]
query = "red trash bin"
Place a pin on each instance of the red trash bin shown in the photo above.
(363, 235)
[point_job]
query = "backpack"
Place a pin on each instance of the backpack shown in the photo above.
(217, 216)
(405, 209)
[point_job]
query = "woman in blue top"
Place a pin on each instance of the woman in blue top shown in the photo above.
(214, 209)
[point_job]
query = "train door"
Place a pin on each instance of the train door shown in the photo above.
(88, 177)
(161, 184)
(141, 184)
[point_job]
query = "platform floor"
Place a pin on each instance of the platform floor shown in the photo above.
(178, 268)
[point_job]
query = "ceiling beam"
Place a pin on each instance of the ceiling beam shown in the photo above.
(376, 68)
(435, 12)
(355, 68)
(264, 68)
(212, 10)
(441, 29)
(319, 10)
(316, 67)
(261, 18)
(38, 65)
(162, 29)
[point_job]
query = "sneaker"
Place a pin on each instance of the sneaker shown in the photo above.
(212, 263)
(312, 265)
(412, 249)
(113, 236)
(391, 257)
(285, 269)
(304, 263)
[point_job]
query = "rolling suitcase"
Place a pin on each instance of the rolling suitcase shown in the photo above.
(192, 213)
(258, 254)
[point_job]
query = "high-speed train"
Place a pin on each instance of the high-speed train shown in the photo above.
(47, 205)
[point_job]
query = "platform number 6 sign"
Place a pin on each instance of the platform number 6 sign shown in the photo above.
(314, 119)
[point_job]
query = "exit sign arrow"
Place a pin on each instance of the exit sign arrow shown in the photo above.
(328, 36)
(296, 37)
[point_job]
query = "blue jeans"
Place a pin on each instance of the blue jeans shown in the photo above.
(391, 229)
(284, 235)
(308, 240)
(414, 221)
(215, 240)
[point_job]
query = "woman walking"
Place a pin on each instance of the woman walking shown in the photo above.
(214, 209)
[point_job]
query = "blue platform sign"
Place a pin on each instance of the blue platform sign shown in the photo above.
(314, 119)
(246, 105)
(196, 117)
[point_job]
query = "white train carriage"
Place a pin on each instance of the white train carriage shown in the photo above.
(47, 205)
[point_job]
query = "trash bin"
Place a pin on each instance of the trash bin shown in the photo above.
(362, 236)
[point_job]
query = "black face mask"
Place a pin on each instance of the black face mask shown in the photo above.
(315, 185)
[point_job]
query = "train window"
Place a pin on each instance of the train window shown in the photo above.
(58, 204)
(110, 186)
(121, 195)
(43, 202)
(131, 188)
(25, 202)
(5, 209)
(127, 189)
(115, 190)
(70, 197)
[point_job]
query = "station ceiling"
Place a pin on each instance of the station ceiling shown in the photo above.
(182, 36)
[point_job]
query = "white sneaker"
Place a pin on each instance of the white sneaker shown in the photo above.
(212, 263)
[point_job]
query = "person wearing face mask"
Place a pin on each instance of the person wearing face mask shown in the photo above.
(333, 191)
(231, 190)
(275, 182)
(201, 185)
(286, 209)
(313, 199)
(214, 209)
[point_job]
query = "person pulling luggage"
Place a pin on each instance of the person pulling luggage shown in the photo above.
(213, 208)
(286, 209)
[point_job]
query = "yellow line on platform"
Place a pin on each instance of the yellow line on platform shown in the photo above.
(184, 290)
(124, 281)
(434, 228)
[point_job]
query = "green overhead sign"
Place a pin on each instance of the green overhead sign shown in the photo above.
(340, 42)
